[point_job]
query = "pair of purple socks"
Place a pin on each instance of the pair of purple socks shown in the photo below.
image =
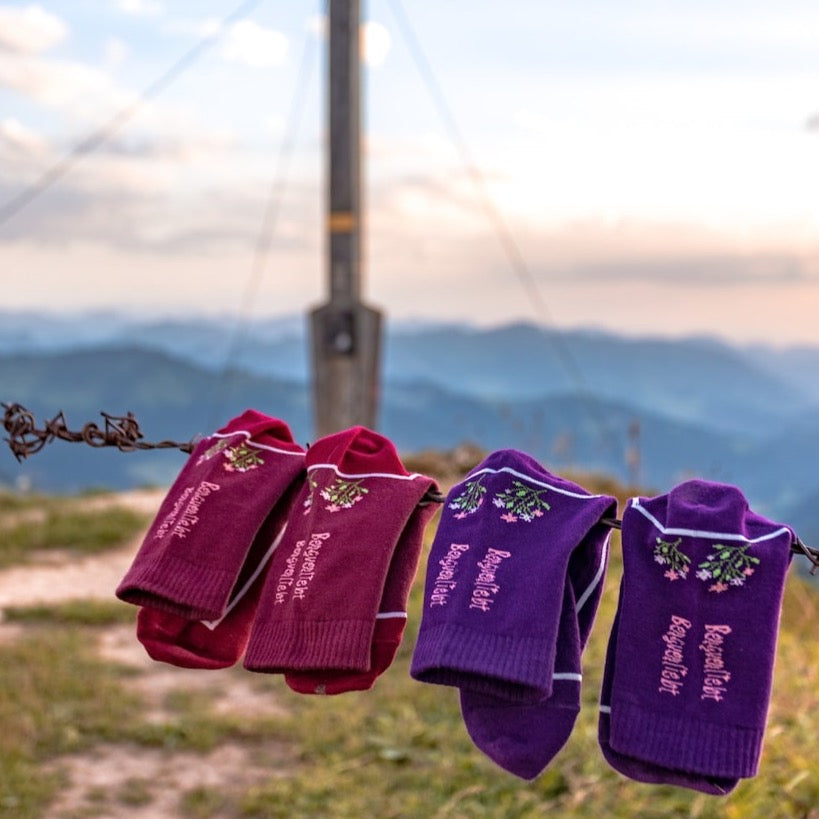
(513, 582)
(690, 658)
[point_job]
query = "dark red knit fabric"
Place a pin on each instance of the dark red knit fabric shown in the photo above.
(196, 547)
(219, 643)
(327, 579)
(390, 621)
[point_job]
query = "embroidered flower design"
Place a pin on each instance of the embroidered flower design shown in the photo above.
(312, 483)
(728, 566)
(521, 502)
(242, 458)
(343, 494)
(212, 450)
(667, 553)
(470, 500)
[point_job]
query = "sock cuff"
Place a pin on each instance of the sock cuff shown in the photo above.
(451, 654)
(309, 645)
(198, 592)
(681, 743)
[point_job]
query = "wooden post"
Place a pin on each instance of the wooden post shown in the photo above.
(345, 333)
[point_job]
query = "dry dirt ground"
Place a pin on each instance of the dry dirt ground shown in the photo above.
(99, 775)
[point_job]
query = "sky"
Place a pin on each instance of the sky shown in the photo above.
(647, 167)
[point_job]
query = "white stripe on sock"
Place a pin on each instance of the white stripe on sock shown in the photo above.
(253, 443)
(598, 577)
(212, 624)
(635, 504)
(529, 478)
(341, 474)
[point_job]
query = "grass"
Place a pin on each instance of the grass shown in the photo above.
(67, 527)
(72, 613)
(399, 750)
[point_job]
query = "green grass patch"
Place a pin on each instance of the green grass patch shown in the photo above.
(399, 750)
(55, 698)
(402, 750)
(72, 613)
(69, 528)
(18, 501)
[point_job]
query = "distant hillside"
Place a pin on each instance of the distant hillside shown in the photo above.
(696, 381)
(174, 399)
(747, 416)
(171, 399)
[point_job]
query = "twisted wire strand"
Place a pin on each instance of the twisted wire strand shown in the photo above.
(123, 432)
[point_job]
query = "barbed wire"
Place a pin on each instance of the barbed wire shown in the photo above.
(25, 438)
(123, 432)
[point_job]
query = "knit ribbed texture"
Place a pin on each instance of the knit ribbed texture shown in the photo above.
(178, 586)
(496, 575)
(197, 546)
(687, 744)
(453, 654)
(513, 581)
(307, 645)
(390, 622)
(195, 643)
(690, 660)
(327, 579)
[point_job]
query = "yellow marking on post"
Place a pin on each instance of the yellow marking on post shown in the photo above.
(341, 221)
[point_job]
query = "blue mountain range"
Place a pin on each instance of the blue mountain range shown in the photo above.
(647, 410)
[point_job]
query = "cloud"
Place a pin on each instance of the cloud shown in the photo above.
(66, 84)
(250, 44)
(116, 52)
(699, 271)
(17, 139)
(29, 29)
(140, 8)
(376, 43)
(244, 42)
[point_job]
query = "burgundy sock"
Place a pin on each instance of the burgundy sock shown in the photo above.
(326, 582)
(390, 621)
(196, 548)
(218, 643)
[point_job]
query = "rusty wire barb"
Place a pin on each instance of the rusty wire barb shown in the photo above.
(123, 432)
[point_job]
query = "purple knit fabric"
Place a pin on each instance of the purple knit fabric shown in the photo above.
(496, 576)
(523, 739)
(194, 552)
(690, 663)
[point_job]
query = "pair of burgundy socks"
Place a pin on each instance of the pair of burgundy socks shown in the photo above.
(513, 583)
(689, 666)
(334, 604)
(197, 575)
(306, 577)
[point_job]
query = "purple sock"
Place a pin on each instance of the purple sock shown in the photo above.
(639, 769)
(523, 739)
(690, 660)
(496, 575)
